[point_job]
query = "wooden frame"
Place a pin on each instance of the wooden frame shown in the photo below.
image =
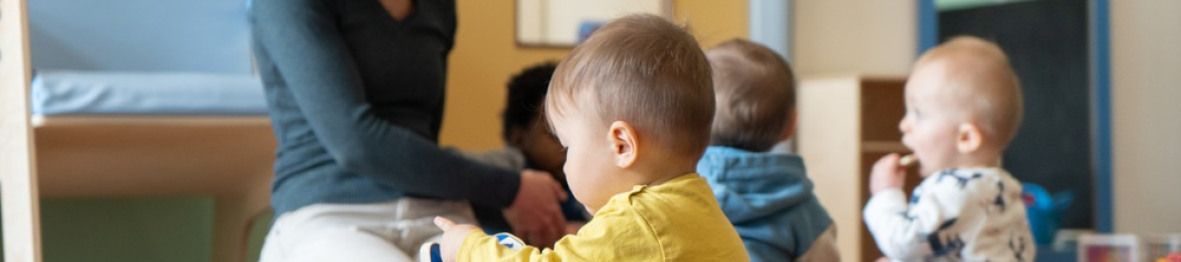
(226, 157)
(18, 175)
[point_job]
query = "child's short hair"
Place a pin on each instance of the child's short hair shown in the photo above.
(647, 71)
(526, 92)
(755, 92)
(983, 81)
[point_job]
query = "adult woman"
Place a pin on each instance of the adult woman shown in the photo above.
(356, 90)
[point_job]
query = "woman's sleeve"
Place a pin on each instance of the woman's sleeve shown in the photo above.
(301, 41)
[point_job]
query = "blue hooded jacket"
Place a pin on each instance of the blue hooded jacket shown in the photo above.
(768, 197)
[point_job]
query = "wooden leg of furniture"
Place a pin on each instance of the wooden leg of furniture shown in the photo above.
(18, 175)
(233, 215)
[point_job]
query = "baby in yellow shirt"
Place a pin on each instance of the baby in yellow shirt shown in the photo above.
(632, 106)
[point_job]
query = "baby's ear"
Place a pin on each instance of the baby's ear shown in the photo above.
(622, 137)
(789, 127)
(969, 138)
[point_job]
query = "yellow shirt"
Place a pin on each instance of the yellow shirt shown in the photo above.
(678, 220)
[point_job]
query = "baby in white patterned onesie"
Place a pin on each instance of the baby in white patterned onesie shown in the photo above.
(963, 106)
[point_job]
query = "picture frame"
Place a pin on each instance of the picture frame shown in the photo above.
(564, 23)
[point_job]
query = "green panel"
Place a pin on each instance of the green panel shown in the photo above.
(258, 233)
(127, 229)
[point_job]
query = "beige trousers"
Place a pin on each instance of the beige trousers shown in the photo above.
(388, 231)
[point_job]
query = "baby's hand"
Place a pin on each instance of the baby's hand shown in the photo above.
(573, 227)
(453, 236)
(887, 173)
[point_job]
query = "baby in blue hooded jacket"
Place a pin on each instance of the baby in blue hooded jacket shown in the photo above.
(766, 195)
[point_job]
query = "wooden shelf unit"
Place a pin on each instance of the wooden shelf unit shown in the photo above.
(846, 123)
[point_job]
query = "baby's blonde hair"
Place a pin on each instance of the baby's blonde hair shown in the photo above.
(979, 77)
(644, 70)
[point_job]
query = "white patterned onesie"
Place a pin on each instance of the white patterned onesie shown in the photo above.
(968, 214)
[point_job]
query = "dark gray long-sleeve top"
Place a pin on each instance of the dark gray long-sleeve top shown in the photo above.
(356, 101)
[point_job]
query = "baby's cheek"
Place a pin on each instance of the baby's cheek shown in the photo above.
(908, 141)
(586, 196)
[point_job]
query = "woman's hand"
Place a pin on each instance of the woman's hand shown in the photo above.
(453, 236)
(535, 214)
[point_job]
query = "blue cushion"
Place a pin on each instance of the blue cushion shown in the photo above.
(146, 93)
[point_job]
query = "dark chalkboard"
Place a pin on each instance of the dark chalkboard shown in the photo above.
(1046, 41)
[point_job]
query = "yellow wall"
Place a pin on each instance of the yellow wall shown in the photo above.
(1146, 118)
(714, 21)
(485, 56)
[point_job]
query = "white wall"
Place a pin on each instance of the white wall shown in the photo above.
(853, 36)
(1146, 115)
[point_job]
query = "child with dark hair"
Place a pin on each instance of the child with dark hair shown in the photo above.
(528, 144)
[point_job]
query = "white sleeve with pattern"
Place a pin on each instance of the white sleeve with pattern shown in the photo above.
(902, 229)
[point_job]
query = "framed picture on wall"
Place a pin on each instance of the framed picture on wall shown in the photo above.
(564, 23)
